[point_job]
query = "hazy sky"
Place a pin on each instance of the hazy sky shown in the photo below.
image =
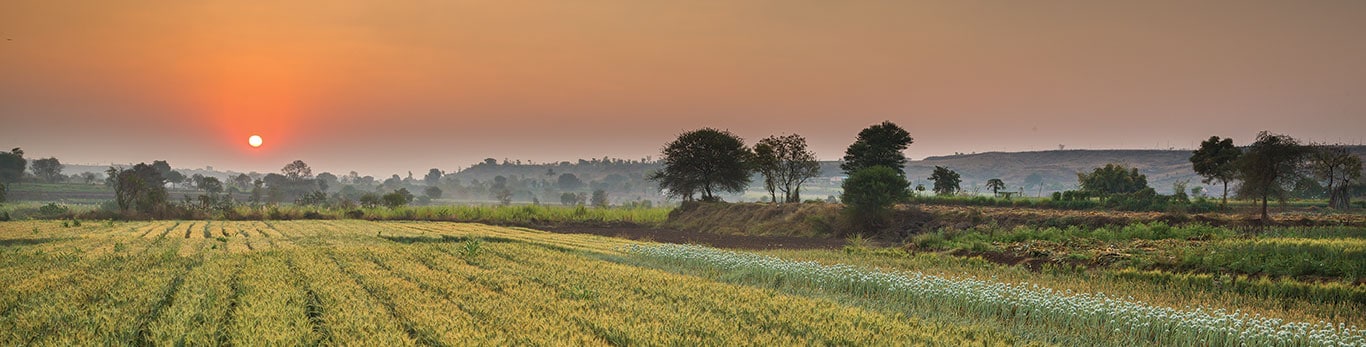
(391, 86)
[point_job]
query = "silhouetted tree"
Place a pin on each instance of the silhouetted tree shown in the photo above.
(140, 188)
(1216, 160)
(706, 161)
(600, 198)
(568, 199)
(211, 185)
(946, 182)
(786, 164)
(370, 200)
(1112, 179)
(89, 177)
(243, 181)
(765, 162)
(1270, 165)
(297, 170)
(569, 181)
(996, 184)
(878, 145)
(12, 165)
(398, 198)
(326, 180)
(432, 192)
(433, 177)
(1338, 169)
(48, 170)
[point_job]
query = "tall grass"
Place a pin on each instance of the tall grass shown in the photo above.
(1341, 258)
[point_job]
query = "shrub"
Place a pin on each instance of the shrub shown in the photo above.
(870, 193)
(53, 210)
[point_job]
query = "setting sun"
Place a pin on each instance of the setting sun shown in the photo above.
(254, 140)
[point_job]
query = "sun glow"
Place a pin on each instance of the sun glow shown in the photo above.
(254, 141)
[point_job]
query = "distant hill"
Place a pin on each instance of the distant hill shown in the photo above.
(1058, 168)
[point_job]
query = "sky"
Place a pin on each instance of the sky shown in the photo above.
(387, 87)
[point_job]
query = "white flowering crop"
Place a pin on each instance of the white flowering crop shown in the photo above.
(1020, 303)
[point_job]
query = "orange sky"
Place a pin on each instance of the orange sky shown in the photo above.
(382, 87)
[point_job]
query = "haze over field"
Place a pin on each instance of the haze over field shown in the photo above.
(389, 87)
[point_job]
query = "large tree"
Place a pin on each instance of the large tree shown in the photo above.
(1338, 169)
(297, 170)
(706, 161)
(878, 145)
(946, 181)
(12, 165)
(433, 177)
(1216, 160)
(1112, 179)
(140, 188)
(786, 164)
(49, 170)
(1270, 165)
(243, 181)
(569, 181)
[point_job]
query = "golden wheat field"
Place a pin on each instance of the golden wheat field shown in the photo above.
(368, 283)
(351, 282)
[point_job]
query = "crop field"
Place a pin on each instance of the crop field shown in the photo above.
(354, 282)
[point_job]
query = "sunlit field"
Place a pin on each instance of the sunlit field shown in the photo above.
(432, 283)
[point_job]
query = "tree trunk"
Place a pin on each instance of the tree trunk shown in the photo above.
(1223, 203)
(1265, 217)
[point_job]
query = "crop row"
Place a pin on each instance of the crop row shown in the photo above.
(1112, 318)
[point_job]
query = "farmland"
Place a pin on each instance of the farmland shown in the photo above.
(437, 283)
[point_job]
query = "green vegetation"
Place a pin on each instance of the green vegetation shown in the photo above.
(870, 193)
(368, 283)
(1325, 253)
(403, 283)
(704, 161)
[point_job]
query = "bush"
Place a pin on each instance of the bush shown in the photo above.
(53, 210)
(870, 193)
(398, 198)
(355, 214)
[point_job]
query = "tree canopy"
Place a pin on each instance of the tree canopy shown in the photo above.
(996, 184)
(1112, 179)
(786, 164)
(139, 188)
(946, 181)
(1269, 167)
(878, 145)
(12, 165)
(1338, 169)
(870, 193)
(1216, 160)
(706, 161)
(49, 170)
